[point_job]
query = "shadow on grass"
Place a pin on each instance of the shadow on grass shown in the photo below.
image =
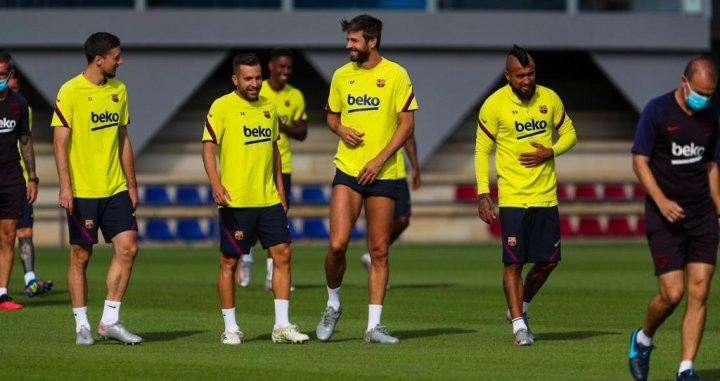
(709, 374)
(313, 338)
(45, 302)
(421, 285)
(167, 335)
(419, 333)
(574, 335)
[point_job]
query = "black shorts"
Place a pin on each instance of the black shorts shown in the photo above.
(27, 219)
(384, 188)
(240, 227)
(11, 201)
(113, 215)
(673, 245)
(287, 185)
(530, 234)
(403, 207)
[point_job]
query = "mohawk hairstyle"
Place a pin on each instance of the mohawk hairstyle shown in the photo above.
(521, 54)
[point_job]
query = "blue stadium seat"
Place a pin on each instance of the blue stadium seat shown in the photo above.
(313, 194)
(156, 195)
(294, 233)
(314, 228)
(209, 200)
(357, 233)
(188, 195)
(188, 229)
(157, 229)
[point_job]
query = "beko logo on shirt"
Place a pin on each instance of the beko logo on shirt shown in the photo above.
(533, 127)
(370, 103)
(258, 132)
(107, 116)
(7, 125)
(691, 152)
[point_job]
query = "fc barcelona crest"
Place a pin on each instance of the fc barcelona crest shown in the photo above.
(115, 98)
(266, 113)
(239, 234)
(89, 224)
(543, 109)
(287, 103)
(380, 83)
(512, 241)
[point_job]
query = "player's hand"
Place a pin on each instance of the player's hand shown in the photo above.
(66, 198)
(416, 183)
(220, 195)
(539, 156)
(31, 194)
(132, 191)
(486, 208)
(351, 137)
(284, 205)
(370, 171)
(671, 210)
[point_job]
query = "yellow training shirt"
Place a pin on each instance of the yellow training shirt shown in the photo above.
(369, 101)
(290, 105)
(244, 133)
(22, 162)
(512, 125)
(93, 113)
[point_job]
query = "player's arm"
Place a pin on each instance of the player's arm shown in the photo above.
(411, 149)
(277, 174)
(484, 141)
(348, 135)
(714, 181)
(669, 208)
(60, 139)
(406, 127)
(220, 194)
(297, 131)
(128, 164)
(566, 140)
(28, 155)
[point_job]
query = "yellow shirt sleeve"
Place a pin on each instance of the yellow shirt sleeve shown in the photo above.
(275, 125)
(404, 94)
(214, 124)
(124, 114)
(300, 113)
(62, 117)
(334, 103)
(566, 131)
(484, 140)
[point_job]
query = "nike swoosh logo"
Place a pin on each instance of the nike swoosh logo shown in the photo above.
(112, 306)
(556, 243)
(672, 128)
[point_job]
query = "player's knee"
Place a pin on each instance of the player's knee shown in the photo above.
(128, 252)
(337, 249)
(79, 255)
(379, 252)
(698, 292)
(673, 295)
(402, 222)
(281, 256)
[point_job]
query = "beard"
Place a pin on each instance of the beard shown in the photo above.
(362, 56)
(110, 74)
(524, 96)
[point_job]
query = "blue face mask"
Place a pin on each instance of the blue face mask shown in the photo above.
(696, 101)
(4, 84)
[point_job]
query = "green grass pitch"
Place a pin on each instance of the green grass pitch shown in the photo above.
(445, 304)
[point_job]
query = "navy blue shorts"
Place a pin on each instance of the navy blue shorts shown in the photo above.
(241, 227)
(113, 215)
(674, 245)
(530, 234)
(27, 219)
(384, 188)
(403, 207)
(287, 185)
(11, 199)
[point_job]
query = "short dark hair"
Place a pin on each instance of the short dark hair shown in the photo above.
(246, 59)
(521, 54)
(370, 26)
(281, 52)
(6, 58)
(99, 44)
(696, 64)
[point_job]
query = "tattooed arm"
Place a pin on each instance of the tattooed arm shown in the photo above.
(28, 156)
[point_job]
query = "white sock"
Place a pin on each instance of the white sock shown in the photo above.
(111, 312)
(30, 275)
(518, 324)
(250, 256)
(334, 298)
(229, 318)
(81, 319)
(374, 313)
(685, 365)
(3, 291)
(643, 339)
(281, 313)
(268, 273)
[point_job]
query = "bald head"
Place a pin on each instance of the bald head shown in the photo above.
(701, 67)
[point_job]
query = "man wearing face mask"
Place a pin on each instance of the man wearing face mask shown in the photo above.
(675, 157)
(520, 118)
